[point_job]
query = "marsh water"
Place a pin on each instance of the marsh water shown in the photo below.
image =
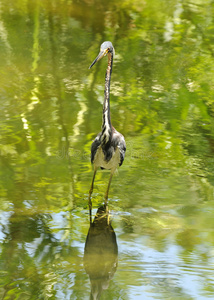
(157, 240)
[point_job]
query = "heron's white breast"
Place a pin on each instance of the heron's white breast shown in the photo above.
(99, 160)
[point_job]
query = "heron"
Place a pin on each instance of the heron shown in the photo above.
(109, 147)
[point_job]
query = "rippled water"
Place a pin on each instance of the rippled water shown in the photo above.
(157, 241)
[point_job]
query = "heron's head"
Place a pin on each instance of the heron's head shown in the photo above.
(105, 48)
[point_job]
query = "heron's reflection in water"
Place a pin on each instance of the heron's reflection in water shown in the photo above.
(101, 252)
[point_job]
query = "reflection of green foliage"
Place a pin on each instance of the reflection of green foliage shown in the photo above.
(161, 100)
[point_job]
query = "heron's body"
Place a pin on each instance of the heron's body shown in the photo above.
(100, 159)
(108, 148)
(110, 156)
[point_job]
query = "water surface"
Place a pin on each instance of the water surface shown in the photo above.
(161, 238)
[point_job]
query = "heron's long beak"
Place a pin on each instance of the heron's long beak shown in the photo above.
(100, 55)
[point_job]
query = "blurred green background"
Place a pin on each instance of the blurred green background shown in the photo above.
(162, 101)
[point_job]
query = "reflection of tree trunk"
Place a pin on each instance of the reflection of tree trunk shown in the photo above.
(35, 55)
(34, 98)
(4, 38)
(60, 97)
(36, 38)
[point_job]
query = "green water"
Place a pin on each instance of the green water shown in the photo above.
(160, 244)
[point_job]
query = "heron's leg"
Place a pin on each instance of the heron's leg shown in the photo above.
(106, 196)
(90, 215)
(109, 183)
(91, 190)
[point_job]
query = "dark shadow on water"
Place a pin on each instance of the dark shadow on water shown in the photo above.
(101, 253)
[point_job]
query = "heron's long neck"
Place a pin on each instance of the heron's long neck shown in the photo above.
(106, 126)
